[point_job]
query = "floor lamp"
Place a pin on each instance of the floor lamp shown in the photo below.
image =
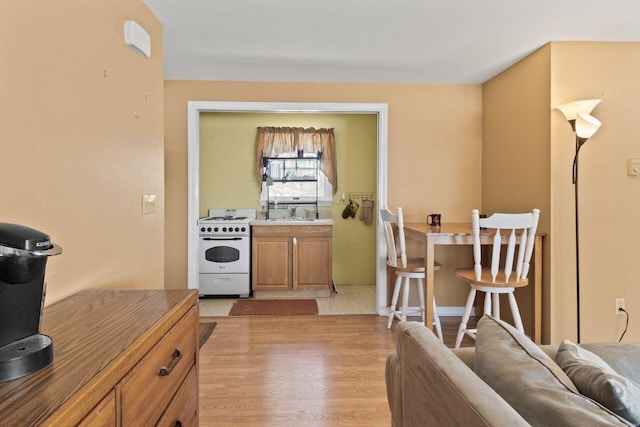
(584, 125)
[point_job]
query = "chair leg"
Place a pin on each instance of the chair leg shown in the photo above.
(394, 301)
(465, 317)
(405, 298)
(496, 304)
(421, 295)
(516, 313)
(436, 320)
(487, 303)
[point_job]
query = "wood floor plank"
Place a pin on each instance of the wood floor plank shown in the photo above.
(298, 371)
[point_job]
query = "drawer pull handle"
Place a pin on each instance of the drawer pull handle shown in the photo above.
(175, 358)
(178, 423)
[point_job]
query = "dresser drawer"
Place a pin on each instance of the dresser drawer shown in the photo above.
(183, 409)
(152, 383)
(104, 414)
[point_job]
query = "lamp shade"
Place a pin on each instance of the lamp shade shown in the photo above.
(571, 109)
(586, 125)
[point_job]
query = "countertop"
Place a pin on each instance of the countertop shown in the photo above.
(306, 223)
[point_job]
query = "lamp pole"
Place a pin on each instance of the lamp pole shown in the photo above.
(584, 126)
(579, 143)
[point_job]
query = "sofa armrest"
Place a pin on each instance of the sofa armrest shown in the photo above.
(394, 389)
(437, 388)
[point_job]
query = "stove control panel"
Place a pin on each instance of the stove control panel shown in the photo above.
(220, 229)
(224, 229)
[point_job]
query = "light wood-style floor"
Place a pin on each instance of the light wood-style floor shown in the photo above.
(298, 370)
(350, 299)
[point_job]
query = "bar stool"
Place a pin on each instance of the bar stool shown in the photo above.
(406, 269)
(491, 280)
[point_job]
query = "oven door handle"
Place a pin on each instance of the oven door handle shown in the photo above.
(222, 238)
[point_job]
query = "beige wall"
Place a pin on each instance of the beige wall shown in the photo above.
(228, 144)
(561, 72)
(434, 154)
(81, 129)
(609, 200)
(516, 154)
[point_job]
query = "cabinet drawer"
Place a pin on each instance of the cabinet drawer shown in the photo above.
(292, 231)
(104, 414)
(183, 409)
(152, 383)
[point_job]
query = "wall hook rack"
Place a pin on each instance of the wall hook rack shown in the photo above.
(360, 196)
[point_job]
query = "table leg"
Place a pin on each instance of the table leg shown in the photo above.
(537, 291)
(429, 261)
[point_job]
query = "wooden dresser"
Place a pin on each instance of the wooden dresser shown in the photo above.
(121, 358)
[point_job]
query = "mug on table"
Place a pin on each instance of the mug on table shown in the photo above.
(434, 219)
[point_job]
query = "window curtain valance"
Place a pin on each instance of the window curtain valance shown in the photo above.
(275, 140)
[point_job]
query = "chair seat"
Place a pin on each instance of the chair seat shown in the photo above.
(414, 265)
(468, 275)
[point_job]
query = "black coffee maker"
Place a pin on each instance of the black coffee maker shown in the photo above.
(23, 257)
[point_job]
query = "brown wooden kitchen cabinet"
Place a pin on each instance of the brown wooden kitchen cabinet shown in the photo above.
(291, 260)
(121, 358)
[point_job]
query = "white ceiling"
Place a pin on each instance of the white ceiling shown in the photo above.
(391, 41)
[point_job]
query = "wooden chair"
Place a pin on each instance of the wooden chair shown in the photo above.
(499, 279)
(406, 269)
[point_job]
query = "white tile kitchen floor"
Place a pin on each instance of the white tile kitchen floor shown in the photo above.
(350, 299)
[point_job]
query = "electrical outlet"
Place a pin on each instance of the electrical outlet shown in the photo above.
(619, 305)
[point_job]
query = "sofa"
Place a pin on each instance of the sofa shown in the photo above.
(507, 380)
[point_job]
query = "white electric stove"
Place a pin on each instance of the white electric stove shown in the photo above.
(224, 255)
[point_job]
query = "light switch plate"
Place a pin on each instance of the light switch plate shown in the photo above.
(148, 203)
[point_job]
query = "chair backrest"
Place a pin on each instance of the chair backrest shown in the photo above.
(524, 223)
(392, 249)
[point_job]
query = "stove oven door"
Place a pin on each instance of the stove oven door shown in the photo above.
(224, 255)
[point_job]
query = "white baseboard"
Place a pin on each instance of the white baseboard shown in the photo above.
(442, 311)
(453, 311)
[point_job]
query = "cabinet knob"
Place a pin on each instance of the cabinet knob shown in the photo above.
(295, 241)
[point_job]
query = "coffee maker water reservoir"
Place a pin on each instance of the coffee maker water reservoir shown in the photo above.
(23, 258)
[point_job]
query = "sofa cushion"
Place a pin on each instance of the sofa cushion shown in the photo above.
(596, 379)
(531, 382)
(621, 356)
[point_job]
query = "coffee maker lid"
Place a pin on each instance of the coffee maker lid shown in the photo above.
(24, 238)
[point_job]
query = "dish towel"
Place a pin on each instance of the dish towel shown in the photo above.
(366, 214)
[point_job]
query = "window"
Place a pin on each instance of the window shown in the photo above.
(294, 180)
(283, 142)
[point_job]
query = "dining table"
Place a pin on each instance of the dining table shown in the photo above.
(461, 234)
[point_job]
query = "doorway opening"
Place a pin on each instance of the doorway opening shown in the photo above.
(195, 108)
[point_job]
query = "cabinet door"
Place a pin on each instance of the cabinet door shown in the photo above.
(271, 263)
(312, 263)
